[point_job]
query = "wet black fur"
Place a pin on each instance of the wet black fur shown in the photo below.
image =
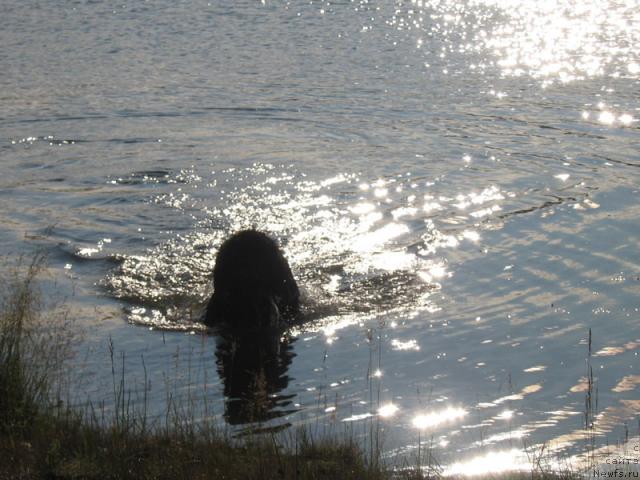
(253, 284)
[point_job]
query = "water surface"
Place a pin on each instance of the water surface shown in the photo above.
(455, 185)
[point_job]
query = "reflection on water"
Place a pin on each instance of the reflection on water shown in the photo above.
(567, 40)
(434, 419)
(388, 410)
(514, 460)
(254, 369)
(558, 40)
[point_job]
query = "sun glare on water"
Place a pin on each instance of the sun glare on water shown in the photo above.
(554, 40)
(438, 418)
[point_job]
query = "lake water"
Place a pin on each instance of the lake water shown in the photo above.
(455, 184)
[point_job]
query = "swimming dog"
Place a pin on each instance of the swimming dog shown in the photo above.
(253, 284)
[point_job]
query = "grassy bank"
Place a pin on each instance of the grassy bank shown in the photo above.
(42, 438)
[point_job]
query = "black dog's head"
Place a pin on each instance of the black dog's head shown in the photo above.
(253, 284)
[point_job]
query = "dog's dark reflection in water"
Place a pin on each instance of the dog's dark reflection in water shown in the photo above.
(255, 300)
(254, 368)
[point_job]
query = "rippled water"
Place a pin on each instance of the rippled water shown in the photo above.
(455, 185)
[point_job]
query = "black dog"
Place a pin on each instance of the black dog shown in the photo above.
(253, 284)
